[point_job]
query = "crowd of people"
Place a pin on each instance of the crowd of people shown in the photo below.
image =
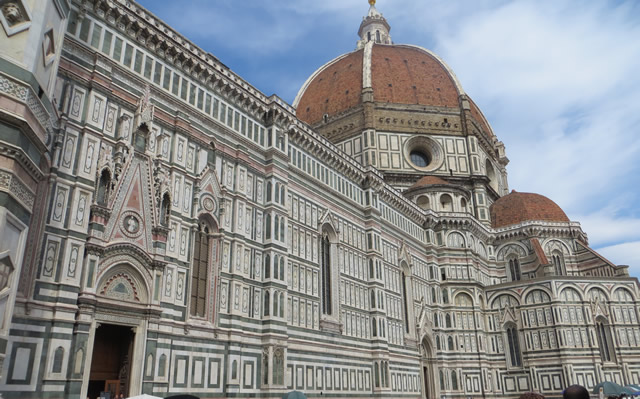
(573, 392)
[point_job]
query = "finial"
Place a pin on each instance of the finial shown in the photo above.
(372, 2)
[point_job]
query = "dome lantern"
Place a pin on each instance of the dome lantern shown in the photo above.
(374, 28)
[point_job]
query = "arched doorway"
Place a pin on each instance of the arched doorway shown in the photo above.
(120, 313)
(429, 370)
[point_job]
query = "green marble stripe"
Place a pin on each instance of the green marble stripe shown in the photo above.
(13, 206)
(13, 135)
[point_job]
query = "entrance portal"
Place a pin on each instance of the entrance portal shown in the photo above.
(111, 361)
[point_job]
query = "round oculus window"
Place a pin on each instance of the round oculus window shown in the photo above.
(420, 158)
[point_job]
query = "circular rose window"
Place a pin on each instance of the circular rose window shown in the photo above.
(423, 153)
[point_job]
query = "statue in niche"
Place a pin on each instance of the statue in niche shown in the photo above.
(12, 13)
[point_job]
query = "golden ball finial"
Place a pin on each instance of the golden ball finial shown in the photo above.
(372, 2)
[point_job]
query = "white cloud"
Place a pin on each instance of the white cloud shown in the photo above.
(627, 253)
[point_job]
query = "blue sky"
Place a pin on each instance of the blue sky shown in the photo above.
(559, 81)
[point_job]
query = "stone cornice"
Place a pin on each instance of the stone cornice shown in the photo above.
(152, 33)
(540, 229)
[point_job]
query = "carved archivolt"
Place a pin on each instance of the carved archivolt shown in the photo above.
(123, 283)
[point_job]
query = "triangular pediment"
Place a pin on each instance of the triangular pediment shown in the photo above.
(133, 209)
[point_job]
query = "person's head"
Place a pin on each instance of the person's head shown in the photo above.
(531, 395)
(575, 392)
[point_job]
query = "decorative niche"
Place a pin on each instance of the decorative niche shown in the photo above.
(15, 16)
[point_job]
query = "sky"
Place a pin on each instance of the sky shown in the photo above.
(558, 80)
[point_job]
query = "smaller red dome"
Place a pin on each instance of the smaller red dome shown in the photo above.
(518, 207)
(428, 181)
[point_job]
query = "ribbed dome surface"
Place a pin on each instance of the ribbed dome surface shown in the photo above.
(517, 207)
(399, 74)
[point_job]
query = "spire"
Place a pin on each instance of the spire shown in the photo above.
(374, 27)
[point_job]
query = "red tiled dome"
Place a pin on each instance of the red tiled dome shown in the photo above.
(428, 181)
(518, 207)
(400, 74)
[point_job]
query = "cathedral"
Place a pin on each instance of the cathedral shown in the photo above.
(166, 228)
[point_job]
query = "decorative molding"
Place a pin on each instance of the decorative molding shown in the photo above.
(12, 185)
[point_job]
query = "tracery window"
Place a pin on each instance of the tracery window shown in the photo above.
(326, 274)
(405, 302)
(200, 270)
(605, 341)
(558, 262)
(513, 344)
(514, 269)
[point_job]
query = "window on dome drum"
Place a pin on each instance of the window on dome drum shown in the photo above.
(605, 341)
(419, 158)
(326, 274)
(514, 269)
(199, 271)
(515, 358)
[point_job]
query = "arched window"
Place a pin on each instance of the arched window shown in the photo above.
(605, 342)
(276, 227)
(326, 274)
(441, 380)
(447, 321)
(454, 380)
(371, 272)
(200, 271)
(376, 369)
(438, 347)
(278, 366)
(378, 36)
(450, 343)
(405, 302)
(558, 262)
(266, 303)
(423, 202)
(434, 296)
(104, 185)
(514, 269)
(374, 327)
(385, 375)
(165, 210)
(162, 365)
(265, 367)
(276, 301)
(57, 360)
(282, 304)
(446, 203)
(267, 266)
(281, 268)
(282, 229)
(513, 342)
(268, 191)
(368, 36)
(267, 227)
(445, 296)
(282, 194)
(234, 370)
(463, 205)
(277, 193)
(373, 299)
